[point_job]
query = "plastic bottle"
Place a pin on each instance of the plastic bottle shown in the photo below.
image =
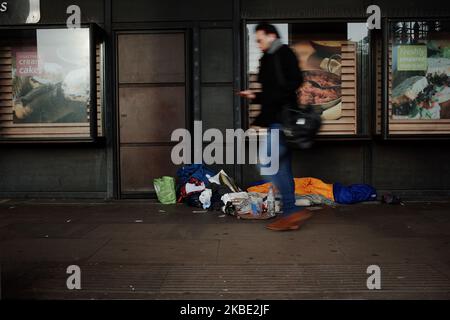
(271, 202)
(256, 205)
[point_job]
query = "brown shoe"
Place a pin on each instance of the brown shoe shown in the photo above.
(290, 222)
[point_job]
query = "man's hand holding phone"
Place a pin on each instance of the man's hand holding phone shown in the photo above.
(248, 94)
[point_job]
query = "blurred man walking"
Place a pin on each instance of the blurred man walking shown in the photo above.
(280, 77)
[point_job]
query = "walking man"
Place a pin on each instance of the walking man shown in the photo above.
(280, 77)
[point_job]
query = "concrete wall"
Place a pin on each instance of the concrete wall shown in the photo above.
(52, 171)
(415, 170)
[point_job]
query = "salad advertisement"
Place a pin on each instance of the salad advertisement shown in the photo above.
(421, 80)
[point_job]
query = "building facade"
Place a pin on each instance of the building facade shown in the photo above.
(88, 112)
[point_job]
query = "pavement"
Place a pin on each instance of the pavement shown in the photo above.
(139, 249)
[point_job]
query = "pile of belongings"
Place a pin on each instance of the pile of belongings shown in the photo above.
(200, 187)
(248, 205)
(312, 191)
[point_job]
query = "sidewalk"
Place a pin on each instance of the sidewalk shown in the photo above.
(144, 250)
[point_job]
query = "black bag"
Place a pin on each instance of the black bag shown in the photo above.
(300, 125)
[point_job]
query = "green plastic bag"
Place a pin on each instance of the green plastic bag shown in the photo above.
(165, 190)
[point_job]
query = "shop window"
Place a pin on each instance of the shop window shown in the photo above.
(50, 84)
(419, 77)
(331, 54)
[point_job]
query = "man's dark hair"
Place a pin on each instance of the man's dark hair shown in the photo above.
(267, 28)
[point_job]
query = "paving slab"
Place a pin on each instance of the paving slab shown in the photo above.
(294, 249)
(138, 231)
(38, 250)
(158, 251)
(45, 230)
(398, 250)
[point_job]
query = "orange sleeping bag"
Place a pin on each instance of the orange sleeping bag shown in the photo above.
(302, 186)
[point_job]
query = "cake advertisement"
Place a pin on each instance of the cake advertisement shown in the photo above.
(421, 80)
(51, 79)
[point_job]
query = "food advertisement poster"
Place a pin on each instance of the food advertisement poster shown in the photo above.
(51, 80)
(321, 64)
(421, 80)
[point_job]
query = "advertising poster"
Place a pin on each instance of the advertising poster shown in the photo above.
(51, 80)
(321, 64)
(421, 80)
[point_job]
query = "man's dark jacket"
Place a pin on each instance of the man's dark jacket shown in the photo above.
(278, 87)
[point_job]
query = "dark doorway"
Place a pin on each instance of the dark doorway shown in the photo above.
(151, 104)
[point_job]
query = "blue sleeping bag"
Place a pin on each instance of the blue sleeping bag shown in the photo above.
(353, 193)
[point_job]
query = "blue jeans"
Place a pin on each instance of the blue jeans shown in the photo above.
(283, 180)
